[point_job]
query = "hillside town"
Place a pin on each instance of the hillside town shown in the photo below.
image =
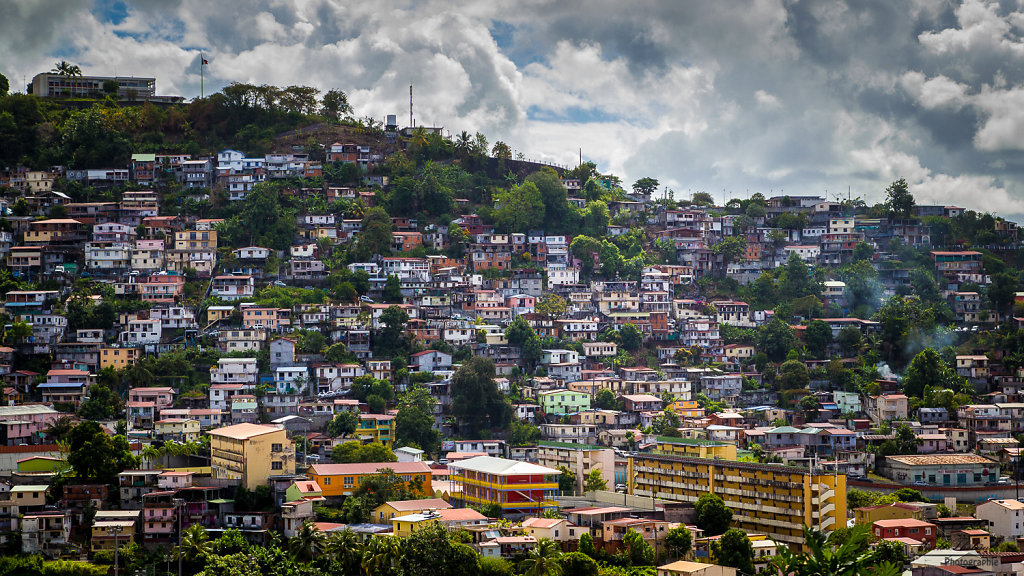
(402, 333)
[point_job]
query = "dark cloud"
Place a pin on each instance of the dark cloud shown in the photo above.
(743, 95)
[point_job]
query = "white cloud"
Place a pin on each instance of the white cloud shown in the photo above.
(743, 96)
(938, 92)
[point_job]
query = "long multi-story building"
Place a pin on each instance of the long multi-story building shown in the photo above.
(773, 499)
(519, 488)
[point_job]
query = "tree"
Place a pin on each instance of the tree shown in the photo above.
(863, 251)
(494, 566)
(524, 434)
(519, 209)
(195, 546)
(432, 551)
(796, 279)
(391, 340)
(793, 375)
(594, 481)
(5, 85)
(703, 199)
(343, 424)
(393, 290)
(818, 337)
(375, 235)
(731, 249)
(551, 306)
(476, 401)
(578, 564)
(102, 404)
(558, 215)
(587, 545)
(929, 369)
(630, 337)
(899, 202)
(334, 105)
(604, 399)
(829, 555)
(566, 480)
(306, 542)
(679, 542)
(849, 340)
(518, 331)
(97, 457)
(646, 186)
(1001, 292)
(542, 560)
(501, 151)
(713, 516)
(735, 549)
(904, 442)
(65, 68)
(775, 338)
(353, 451)
(414, 422)
(638, 550)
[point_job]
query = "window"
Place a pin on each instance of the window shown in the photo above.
(348, 481)
(275, 447)
(276, 466)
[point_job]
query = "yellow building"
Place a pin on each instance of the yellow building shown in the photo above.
(106, 532)
(118, 358)
(775, 499)
(687, 409)
(195, 239)
(896, 511)
(696, 448)
(376, 428)
(343, 479)
(251, 453)
(178, 429)
(385, 512)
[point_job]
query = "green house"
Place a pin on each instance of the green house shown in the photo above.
(562, 402)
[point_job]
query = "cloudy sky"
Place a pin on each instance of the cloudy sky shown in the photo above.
(728, 97)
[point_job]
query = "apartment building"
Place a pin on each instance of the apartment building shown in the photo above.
(773, 499)
(251, 454)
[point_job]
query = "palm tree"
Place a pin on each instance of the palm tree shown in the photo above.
(151, 454)
(542, 560)
(140, 374)
(380, 556)
(346, 548)
(195, 544)
(463, 145)
(16, 333)
(306, 542)
(65, 68)
(850, 558)
(60, 427)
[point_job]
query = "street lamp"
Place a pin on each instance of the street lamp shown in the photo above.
(177, 504)
(113, 531)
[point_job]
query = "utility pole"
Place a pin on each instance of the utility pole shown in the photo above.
(411, 125)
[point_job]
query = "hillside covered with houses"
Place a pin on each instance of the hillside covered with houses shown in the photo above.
(256, 332)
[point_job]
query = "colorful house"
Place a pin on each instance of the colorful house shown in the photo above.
(343, 479)
(519, 488)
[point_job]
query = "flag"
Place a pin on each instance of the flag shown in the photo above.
(205, 61)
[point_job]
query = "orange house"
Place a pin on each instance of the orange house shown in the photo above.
(343, 479)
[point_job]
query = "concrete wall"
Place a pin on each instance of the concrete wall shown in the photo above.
(964, 495)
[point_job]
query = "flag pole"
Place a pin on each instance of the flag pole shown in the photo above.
(202, 66)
